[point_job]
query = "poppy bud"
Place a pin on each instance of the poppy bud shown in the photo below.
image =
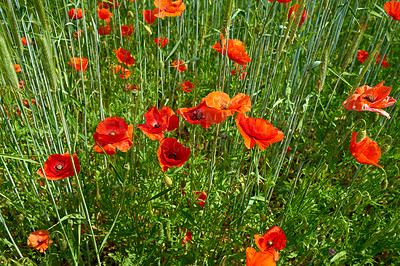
(126, 166)
(20, 218)
(63, 244)
(361, 135)
(385, 148)
(161, 231)
(384, 184)
(130, 14)
(168, 181)
(376, 117)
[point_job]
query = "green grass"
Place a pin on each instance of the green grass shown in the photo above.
(298, 77)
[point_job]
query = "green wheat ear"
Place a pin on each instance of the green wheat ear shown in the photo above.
(39, 6)
(7, 65)
(13, 25)
(48, 62)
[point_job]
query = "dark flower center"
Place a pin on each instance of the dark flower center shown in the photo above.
(225, 106)
(369, 98)
(112, 133)
(59, 166)
(157, 125)
(172, 156)
(270, 243)
(40, 240)
(198, 115)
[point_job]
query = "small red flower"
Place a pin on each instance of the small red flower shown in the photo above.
(150, 15)
(125, 73)
(127, 30)
(393, 9)
(103, 5)
(256, 130)
(26, 102)
(362, 56)
(124, 56)
(187, 238)
(171, 153)
(159, 121)
(134, 88)
(281, 1)
(77, 35)
(76, 14)
(181, 67)
(294, 9)
(40, 240)
(273, 239)
(366, 151)
(370, 99)
(59, 166)
(24, 41)
(104, 30)
(236, 50)
(17, 68)
(201, 200)
(186, 86)
(160, 41)
(195, 115)
(104, 14)
(79, 63)
(384, 63)
(236, 71)
(113, 133)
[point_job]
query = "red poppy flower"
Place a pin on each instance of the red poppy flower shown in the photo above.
(294, 9)
(40, 240)
(281, 1)
(125, 73)
(201, 200)
(256, 130)
(113, 3)
(273, 238)
(24, 41)
(76, 14)
(103, 5)
(236, 50)
(160, 41)
(384, 63)
(236, 71)
(254, 258)
(113, 133)
(159, 121)
(104, 14)
(181, 67)
(59, 166)
(124, 56)
(150, 15)
(220, 106)
(127, 30)
(77, 35)
(169, 8)
(26, 102)
(393, 9)
(134, 88)
(362, 56)
(17, 68)
(21, 83)
(186, 86)
(104, 30)
(366, 151)
(79, 63)
(171, 153)
(187, 238)
(366, 98)
(195, 115)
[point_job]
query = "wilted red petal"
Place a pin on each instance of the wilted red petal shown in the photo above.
(366, 151)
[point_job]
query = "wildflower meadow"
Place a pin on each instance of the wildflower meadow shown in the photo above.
(198, 132)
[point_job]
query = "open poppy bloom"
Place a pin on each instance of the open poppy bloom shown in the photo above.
(26, 102)
(104, 14)
(113, 133)
(171, 153)
(181, 67)
(160, 41)
(135, 88)
(40, 240)
(79, 63)
(201, 200)
(104, 30)
(187, 238)
(124, 56)
(256, 130)
(254, 258)
(17, 68)
(236, 50)
(366, 98)
(220, 106)
(294, 9)
(150, 15)
(186, 86)
(159, 121)
(366, 151)
(362, 56)
(393, 9)
(168, 8)
(127, 30)
(24, 41)
(59, 166)
(195, 115)
(125, 73)
(76, 14)
(103, 5)
(384, 63)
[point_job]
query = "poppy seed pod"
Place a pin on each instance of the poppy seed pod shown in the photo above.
(385, 148)
(130, 14)
(168, 181)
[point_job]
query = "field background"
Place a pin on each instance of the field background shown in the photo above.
(119, 210)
